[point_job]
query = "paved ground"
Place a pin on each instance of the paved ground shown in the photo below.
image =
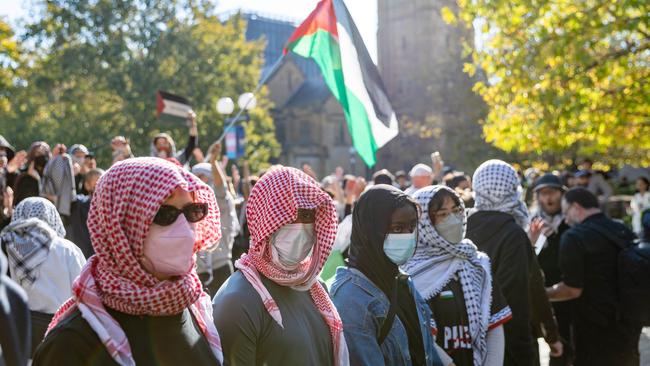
(644, 349)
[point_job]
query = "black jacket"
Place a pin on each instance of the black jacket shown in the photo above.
(15, 331)
(506, 243)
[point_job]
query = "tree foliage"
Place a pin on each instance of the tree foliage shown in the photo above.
(9, 56)
(564, 78)
(93, 67)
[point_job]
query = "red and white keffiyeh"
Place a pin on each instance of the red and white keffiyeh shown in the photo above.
(125, 202)
(273, 203)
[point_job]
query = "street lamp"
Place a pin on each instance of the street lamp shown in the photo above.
(225, 106)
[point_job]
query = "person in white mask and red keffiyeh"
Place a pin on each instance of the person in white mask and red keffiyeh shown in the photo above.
(273, 311)
(139, 300)
(455, 279)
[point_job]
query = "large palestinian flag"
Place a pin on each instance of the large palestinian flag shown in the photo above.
(331, 39)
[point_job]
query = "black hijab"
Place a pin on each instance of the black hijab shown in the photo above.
(370, 224)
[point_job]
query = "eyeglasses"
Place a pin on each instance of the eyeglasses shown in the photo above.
(194, 212)
(441, 215)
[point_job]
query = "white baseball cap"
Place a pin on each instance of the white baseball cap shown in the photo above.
(420, 170)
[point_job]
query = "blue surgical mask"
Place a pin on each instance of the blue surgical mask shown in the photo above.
(399, 248)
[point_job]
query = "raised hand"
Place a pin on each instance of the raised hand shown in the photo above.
(8, 201)
(215, 152)
(557, 349)
(19, 160)
(191, 119)
(59, 149)
(537, 226)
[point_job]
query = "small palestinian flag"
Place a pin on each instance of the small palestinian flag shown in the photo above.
(331, 39)
(171, 108)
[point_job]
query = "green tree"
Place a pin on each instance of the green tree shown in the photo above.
(565, 78)
(95, 67)
(9, 58)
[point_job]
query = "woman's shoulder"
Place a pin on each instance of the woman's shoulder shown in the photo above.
(236, 295)
(72, 326)
(72, 338)
(65, 247)
(351, 291)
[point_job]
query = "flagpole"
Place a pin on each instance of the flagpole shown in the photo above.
(262, 81)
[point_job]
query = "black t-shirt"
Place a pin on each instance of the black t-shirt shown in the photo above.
(250, 336)
(154, 340)
(79, 233)
(450, 314)
(588, 260)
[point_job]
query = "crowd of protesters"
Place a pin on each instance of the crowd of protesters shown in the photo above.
(156, 261)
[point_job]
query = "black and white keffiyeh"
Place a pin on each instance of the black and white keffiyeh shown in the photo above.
(28, 244)
(497, 188)
(28, 238)
(39, 208)
(436, 262)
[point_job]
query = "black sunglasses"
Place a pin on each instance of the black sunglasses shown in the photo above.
(194, 212)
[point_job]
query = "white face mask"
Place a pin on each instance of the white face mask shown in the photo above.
(169, 250)
(451, 228)
(291, 244)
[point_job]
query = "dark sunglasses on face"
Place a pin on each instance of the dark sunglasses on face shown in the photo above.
(194, 212)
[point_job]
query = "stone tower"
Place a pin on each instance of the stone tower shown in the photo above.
(421, 62)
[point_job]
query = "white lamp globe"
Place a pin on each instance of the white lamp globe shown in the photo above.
(247, 101)
(225, 106)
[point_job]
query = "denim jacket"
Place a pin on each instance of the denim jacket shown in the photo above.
(363, 308)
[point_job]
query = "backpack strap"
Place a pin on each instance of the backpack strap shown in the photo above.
(390, 317)
(386, 326)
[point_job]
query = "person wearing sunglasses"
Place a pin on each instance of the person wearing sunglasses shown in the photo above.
(274, 311)
(455, 279)
(138, 300)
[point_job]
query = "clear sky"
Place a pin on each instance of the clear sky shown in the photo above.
(364, 13)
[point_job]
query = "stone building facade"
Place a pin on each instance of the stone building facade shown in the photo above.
(421, 62)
